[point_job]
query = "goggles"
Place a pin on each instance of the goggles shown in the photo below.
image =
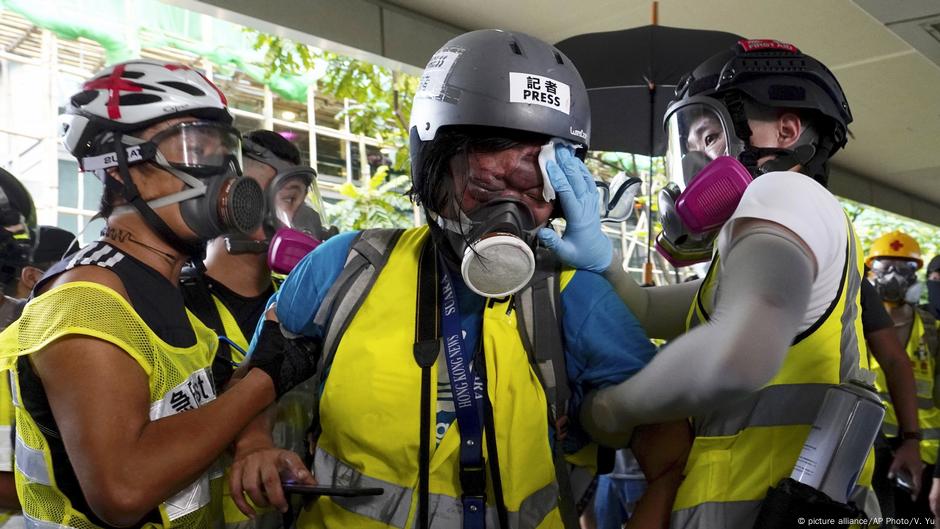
(200, 148)
(902, 267)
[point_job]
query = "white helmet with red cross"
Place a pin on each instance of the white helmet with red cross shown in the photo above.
(132, 95)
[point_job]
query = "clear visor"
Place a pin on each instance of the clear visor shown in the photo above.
(200, 148)
(697, 134)
(295, 201)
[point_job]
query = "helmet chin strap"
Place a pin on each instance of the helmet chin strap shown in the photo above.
(132, 196)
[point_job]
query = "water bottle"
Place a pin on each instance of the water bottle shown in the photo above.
(841, 437)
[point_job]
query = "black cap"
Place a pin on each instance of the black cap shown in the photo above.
(54, 244)
(934, 264)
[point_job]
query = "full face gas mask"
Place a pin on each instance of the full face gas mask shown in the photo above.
(293, 220)
(206, 156)
(706, 181)
(894, 278)
(494, 243)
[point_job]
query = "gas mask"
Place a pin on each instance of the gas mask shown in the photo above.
(292, 223)
(709, 167)
(893, 278)
(206, 156)
(494, 243)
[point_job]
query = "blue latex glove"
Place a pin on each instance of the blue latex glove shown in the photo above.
(584, 245)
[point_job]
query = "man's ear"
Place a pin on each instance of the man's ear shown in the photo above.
(789, 129)
(29, 276)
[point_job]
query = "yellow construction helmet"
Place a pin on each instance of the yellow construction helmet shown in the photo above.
(895, 245)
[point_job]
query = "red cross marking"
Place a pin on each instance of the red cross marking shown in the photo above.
(896, 245)
(114, 83)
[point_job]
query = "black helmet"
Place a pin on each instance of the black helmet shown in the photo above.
(18, 231)
(775, 75)
(499, 79)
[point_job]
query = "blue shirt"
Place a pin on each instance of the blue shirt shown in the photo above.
(604, 343)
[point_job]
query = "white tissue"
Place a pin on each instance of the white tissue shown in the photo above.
(548, 153)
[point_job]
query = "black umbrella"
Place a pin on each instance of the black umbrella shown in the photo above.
(631, 76)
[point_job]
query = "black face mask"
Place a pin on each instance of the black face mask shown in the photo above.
(933, 297)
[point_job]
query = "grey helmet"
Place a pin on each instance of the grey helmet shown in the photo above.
(499, 79)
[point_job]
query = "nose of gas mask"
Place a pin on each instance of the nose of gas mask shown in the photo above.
(497, 252)
(691, 218)
(229, 205)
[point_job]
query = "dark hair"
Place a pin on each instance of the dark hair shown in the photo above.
(277, 144)
(436, 189)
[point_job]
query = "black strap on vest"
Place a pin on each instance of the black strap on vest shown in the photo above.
(930, 338)
(197, 294)
(426, 347)
(548, 360)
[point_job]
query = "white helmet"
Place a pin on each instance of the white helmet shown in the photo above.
(132, 95)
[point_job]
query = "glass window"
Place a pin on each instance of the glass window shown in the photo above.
(68, 183)
(246, 124)
(91, 191)
(68, 221)
(295, 111)
(331, 157)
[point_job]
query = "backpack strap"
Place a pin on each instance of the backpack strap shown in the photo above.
(539, 317)
(367, 256)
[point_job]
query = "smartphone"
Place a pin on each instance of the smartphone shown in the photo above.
(327, 490)
(903, 480)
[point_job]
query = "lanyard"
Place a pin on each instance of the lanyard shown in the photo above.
(467, 391)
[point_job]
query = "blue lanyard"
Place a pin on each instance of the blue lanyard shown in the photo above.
(467, 391)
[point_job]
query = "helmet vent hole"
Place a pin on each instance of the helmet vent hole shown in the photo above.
(514, 46)
(139, 99)
(150, 87)
(558, 58)
(83, 98)
(129, 74)
(184, 87)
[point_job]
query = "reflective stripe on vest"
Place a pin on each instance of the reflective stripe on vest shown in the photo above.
(923, 365)
(391, 508)
(745, 447)
(32, 523)
(365, 444)
(715, 515)
(31, 463)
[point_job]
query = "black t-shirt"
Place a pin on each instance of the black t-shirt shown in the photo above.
(246, 310)
(874, 315)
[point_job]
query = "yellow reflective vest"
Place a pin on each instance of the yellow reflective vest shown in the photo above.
(924, 365)
(179, 379)
(747, 447)
(369, 411)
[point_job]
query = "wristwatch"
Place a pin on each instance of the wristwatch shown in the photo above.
(918, 435)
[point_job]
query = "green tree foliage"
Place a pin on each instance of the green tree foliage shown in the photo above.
(379, 98)
(379, 105)
(374, 204)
